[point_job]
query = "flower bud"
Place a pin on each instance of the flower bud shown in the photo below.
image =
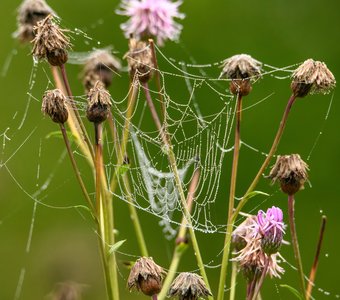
(146, 276)
(99, 103)
(53, 104)
(291, 171)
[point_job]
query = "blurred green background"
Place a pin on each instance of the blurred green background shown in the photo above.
(64, 246)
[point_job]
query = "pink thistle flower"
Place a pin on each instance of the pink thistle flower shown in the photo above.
(151, 18)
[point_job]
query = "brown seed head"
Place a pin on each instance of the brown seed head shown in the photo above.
(99, 103)
(242, 232)
(100, 65)
(241, 69)
(312, 77)
(67, 290)
(139, 60)
(53, 104)
(29, 13)
(188, 286)
(291, 171)
(50, 42)
(146, 276)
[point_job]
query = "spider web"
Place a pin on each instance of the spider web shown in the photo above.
(201, 138)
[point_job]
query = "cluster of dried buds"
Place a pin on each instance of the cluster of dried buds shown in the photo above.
(146, 276)
(257, 242)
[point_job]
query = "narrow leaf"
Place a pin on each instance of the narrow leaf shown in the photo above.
(116, 246)
(292, 290)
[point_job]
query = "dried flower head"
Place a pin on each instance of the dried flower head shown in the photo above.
(54, 105)
(100, 65)
(151, 18)
(188, 286)
(30, 12)
(99, 103)
(67, 290)
(271, 229)
(241, 69)
(146, 276)
(243, 232)
(140, 60)
(312, 77)
(291, 171)
(50, 42)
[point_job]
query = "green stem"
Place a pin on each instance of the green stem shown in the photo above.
(291, 213)
(181, 242)
(266, 162)
(233, 280)
(76, 112)
(76, 170)
(316, 258)
(260, 282)
(173, 163)
(226, 249)
(105, 213)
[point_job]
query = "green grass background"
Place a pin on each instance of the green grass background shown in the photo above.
(64, 247)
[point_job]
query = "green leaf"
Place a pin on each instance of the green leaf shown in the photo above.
(256, 193)
(116, 246)
(292, 290)
(57, 134)
(123, 169)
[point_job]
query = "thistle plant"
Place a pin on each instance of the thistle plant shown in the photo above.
(255, 241)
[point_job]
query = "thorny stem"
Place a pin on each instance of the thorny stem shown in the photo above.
(76, 170)
(291, 215)
(173, 163)
(223, 273)
(80, 122)
(181, 244)
(266, 162)
(260, 282)
(316, 258)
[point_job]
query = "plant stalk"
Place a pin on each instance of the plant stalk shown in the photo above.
(181, 242)
(291, 214)
(316, 259)
(173, 163)
(260, 282)
(75, 110)
(233, 280)
(237, 142)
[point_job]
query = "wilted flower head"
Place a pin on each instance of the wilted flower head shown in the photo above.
(100, 65)
(67, 290)
(29, 13)
(188, 286)
(244, 232)
(50, 42)
(53, 104)
(151, 18)
(146, 276)
(271, 229)
(242, 69)
(99, 103)
(291, 171)
(314, 77)
(140, 60)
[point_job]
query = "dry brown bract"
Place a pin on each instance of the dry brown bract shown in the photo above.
(146, 276)
(100, 65)
(53, 104)
(30, 12)
(291, 171)
(139, 60)
(188, 286)
(314, 77)
(50, 42)
(241, 66)
(99, 103)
